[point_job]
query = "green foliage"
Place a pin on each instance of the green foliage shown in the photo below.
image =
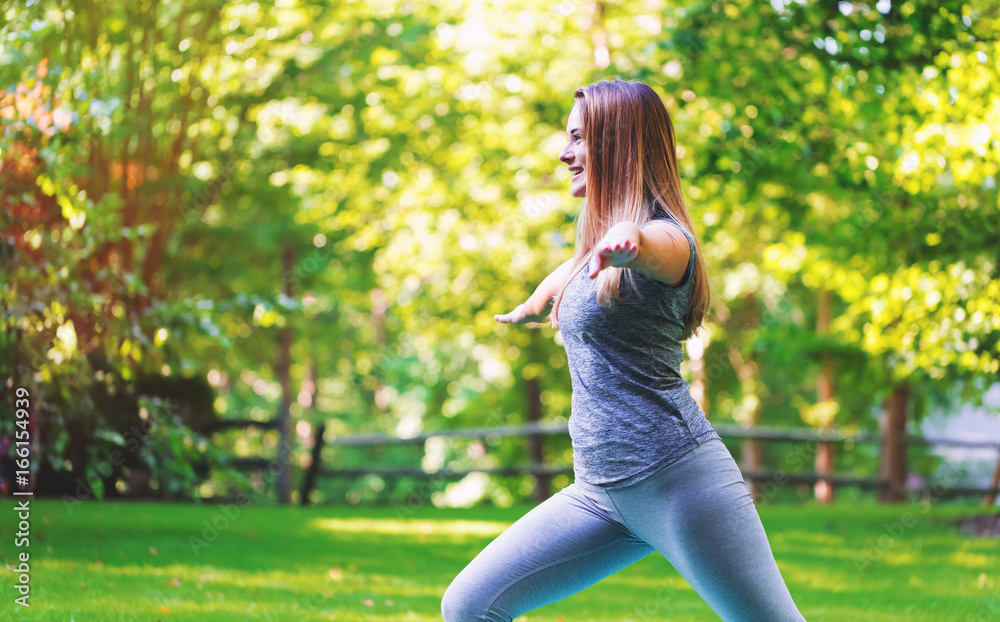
(172, 170)
(178, 457)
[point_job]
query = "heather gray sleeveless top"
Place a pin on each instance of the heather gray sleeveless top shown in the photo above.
(631, 413)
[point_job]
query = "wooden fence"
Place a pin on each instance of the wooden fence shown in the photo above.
(545, 472)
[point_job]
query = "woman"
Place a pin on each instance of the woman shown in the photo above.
(651, 474)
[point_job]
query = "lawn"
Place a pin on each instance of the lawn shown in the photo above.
(143, 561)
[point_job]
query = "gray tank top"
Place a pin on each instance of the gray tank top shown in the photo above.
(631, 413)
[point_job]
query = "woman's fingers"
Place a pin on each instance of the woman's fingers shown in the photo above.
(506, 317)
(516, 316)
(596, 265)
(613, 253)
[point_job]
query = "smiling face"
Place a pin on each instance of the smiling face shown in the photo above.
(574, 154)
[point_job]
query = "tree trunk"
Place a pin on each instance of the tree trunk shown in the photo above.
(536, 445)
(824, 392)
(379, 307)
(283, 485)
(695, 348)
(752, 459)
(310, 386)
(599, 39)
(752, 450)
(894, 445)
(991, 497)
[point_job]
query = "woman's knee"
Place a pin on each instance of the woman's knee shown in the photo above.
(464, 603)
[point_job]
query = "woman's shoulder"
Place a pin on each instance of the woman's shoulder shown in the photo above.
(672, 225)
(682, 238)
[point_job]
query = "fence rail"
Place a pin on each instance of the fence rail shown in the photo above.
(734, 431)
(536, 429)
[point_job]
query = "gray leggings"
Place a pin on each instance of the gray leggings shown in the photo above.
(696, 511)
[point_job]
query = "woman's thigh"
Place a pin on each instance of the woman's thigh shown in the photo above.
(561, 546)
(698, 514)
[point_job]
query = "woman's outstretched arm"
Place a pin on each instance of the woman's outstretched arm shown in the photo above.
(536, 308)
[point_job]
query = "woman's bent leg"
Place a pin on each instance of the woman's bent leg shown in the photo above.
(561, 546)
(698, 514)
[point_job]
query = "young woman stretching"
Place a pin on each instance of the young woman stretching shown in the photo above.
(651, 474)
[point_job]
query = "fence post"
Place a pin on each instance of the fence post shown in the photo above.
(314, 466)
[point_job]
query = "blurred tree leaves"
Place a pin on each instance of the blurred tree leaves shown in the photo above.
(157, 156)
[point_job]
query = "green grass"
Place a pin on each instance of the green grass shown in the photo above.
(97, 563)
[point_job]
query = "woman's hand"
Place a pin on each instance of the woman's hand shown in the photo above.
(520, 315)
(614, 251)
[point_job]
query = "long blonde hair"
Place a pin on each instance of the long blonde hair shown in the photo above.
(632, 176)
